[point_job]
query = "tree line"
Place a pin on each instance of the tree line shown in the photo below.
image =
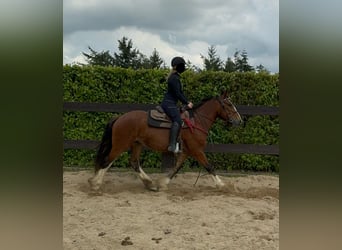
(130, 57)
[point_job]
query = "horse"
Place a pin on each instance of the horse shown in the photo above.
(131, 131)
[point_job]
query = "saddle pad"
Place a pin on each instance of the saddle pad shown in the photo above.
(160, 120)
(155, 114)
(153, 122)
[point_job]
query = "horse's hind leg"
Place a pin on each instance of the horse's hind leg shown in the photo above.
(134, 160)
(96, 181)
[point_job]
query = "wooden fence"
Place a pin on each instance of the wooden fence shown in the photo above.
(212, 148)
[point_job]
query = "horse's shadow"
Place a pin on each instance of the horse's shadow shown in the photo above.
(111, 188)
(180, 192)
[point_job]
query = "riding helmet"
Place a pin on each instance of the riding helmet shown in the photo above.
(178, 63)
(177, 60)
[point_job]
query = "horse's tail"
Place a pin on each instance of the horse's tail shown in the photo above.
(104, 148)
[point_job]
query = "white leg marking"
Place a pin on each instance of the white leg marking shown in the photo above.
(147, 180)
(144, 176)
(163, 182)
(218, 182)
(97, 180)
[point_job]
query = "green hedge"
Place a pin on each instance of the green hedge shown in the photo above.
(117, 85)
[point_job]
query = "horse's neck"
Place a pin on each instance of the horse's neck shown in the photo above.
(207, 114)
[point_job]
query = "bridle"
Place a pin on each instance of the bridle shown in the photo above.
(228, 121)
(227, 99)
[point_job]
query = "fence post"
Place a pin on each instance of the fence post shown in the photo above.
(167, 162)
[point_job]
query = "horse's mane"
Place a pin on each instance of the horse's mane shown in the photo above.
(196, 106)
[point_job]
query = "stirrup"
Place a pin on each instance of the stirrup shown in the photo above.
(176, 150)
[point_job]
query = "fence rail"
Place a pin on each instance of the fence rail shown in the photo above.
(122, 108)
(210, 148)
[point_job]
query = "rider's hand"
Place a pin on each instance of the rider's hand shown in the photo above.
(190, 105)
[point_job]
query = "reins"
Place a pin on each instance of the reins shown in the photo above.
(193, 125)
(199, 175)
(204, 116)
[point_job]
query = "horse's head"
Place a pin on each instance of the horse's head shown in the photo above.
(228, 111)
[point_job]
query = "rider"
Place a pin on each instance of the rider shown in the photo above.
(172, 96)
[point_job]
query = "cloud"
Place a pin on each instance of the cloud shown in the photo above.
(110, 15)
(175, 27)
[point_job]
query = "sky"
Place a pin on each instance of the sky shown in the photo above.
(174, 28)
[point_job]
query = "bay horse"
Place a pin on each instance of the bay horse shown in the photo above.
(131, 131)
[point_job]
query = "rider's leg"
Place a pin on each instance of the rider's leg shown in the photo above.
(174, 132)
(173, 112)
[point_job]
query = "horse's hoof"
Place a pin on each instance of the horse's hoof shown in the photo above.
(163, 183)
(154, 189)
(95, 192)
(163, 188)
(94, 186)
(219, 186)
(218, 182)
(151, 187)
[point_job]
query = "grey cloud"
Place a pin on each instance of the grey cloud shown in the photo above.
(147, 14)
(152, 15)
(234, 24)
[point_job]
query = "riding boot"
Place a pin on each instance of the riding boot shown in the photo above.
(174, 132)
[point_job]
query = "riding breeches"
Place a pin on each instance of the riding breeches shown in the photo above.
(173, 112)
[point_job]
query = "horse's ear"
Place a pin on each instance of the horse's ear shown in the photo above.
(224, 93)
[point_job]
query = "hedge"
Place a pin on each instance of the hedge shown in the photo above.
(118, 85)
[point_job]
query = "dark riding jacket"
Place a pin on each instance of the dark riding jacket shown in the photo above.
(173, 94)
(174, 90)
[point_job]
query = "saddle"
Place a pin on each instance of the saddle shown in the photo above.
(158, 118)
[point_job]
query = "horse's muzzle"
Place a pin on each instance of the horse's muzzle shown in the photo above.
(236, 122)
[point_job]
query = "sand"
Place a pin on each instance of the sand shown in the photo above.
(242, 215)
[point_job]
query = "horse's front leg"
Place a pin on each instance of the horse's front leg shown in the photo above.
(164, 181)
(134, 161)
(202, 159)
